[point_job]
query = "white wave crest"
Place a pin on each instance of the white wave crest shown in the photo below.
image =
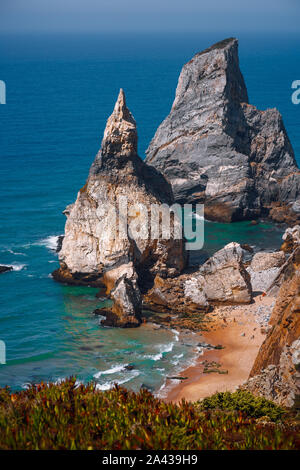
(163, 349)
(16, 267)
(49, 242)
(110, 384)
(113, 370)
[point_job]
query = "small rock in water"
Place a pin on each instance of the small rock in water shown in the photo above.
(175, 377)
(4, 269)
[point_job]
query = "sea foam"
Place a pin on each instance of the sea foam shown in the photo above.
(113, 370)
(49, 242)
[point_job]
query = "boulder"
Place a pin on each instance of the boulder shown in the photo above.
(222, 279)
(176, 295)
(217, 149)
(264, 269)
(126, 309)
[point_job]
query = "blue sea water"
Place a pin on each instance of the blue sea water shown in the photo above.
(60, 91)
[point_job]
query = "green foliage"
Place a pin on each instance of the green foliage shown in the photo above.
(245, 402)
(66, 416)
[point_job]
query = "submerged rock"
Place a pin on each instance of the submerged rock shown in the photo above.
(107, 233)
(4, 269)
(216, 148)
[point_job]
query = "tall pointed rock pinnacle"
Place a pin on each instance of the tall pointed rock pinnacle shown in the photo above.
(120, 136)
(121, 111)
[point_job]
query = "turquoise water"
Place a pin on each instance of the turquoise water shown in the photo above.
(60, 91)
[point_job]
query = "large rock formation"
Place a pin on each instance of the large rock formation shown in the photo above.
(216, 148)
(107, 233)
(222, 279)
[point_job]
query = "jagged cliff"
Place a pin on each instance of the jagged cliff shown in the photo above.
(216, 148)
(276, 371)
(100, 246)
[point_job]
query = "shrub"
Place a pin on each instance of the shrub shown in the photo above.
(244, 402)
(67, 416)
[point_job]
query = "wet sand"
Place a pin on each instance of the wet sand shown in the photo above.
(239, 332)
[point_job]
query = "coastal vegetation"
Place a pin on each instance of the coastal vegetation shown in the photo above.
(68, 415)
(244, 402)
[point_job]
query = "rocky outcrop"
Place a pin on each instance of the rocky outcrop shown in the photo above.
(291, 239)
(4, 269)
(264, 269)
(222, 279)
(107, 233)
(216, 148)
(276, 371)
(59, 243)
(127, 306)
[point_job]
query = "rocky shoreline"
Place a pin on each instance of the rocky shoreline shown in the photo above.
(214, 148)
(260, 342)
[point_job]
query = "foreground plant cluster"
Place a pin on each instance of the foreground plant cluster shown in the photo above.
(67, 416)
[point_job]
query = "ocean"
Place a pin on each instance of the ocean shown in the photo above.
(60, 91)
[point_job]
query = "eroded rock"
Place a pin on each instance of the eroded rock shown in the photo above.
(291, 239)
(264, 269)
(216, 148)
(107, 232)
(126, 309)
(222, 279)
(275, 373)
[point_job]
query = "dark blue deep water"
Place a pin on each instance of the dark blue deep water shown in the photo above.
(60, 91)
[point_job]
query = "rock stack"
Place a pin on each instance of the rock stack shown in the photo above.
(107, 233)
(216, 148)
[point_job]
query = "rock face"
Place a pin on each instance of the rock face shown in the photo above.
(215, 148)
(291, 239)
(264, 269)
(221, 279)
(276, 371)
(107, 233)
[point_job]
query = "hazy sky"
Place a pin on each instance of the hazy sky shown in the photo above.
(153, 15)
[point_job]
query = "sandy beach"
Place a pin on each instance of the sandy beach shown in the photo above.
(240, 331)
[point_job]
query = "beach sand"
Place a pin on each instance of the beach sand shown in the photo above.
(238, 330)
